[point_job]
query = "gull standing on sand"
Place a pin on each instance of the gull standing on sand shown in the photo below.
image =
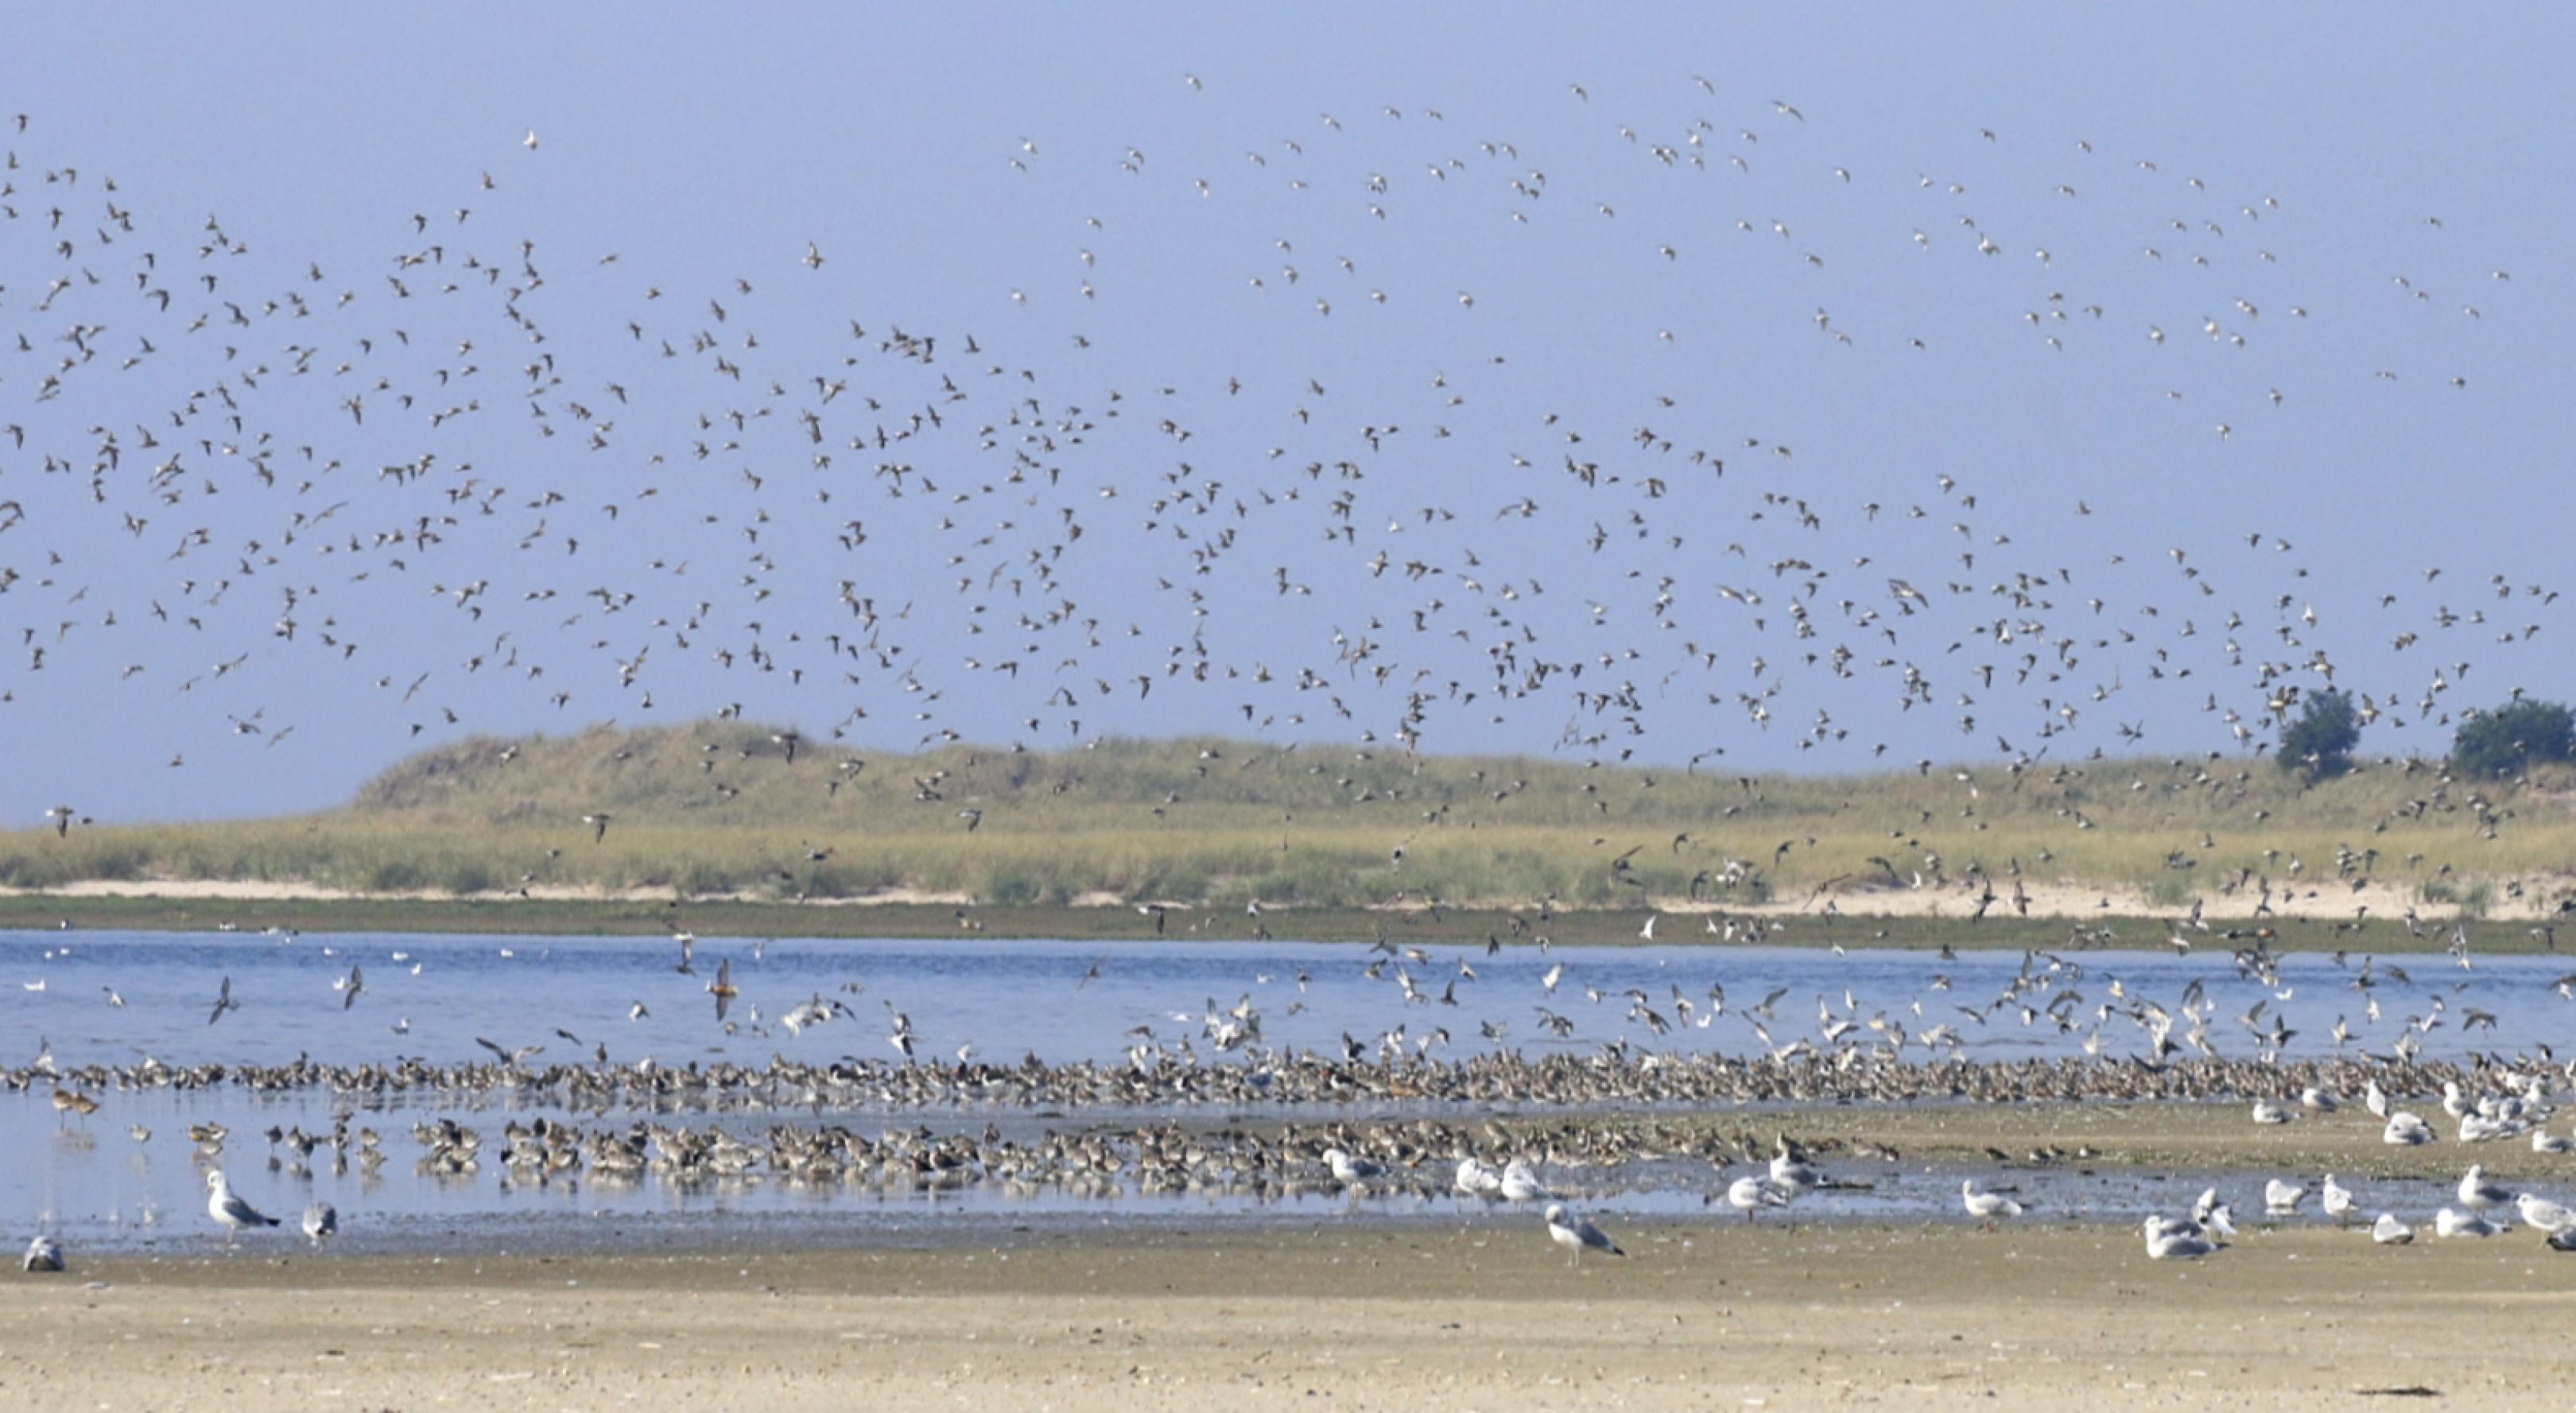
(228, 1208)
(2388, 1231)
(1575, 1233)
(43, 1254)
(2337, 1200)
(2541, 1214)
(2406, 1130)
(1751, 1193)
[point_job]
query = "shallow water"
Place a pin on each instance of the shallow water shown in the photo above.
(93, 1182)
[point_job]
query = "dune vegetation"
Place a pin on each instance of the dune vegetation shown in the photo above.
(729, 809)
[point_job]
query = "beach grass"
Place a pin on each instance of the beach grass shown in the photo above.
(721, 810)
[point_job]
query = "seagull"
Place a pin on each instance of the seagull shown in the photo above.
(2406, 1130)
(229, 1209)
(1794, 1176)
(1477, 1179)
(1575, 1233)
(321, 1220)
(2280, 1199)
(43, 1254)
(1520, 1184)
(2541, 1214)
(1986, 1206)
(223, 1002)
(2449, 1222)
(2563, 1239)
(1751, 1193)
(1349, 1169)
(350, 988)
(2337, 1200)
(2388, 1231)
(2478, 1194)
(2169, 1240)
(2211, 1215)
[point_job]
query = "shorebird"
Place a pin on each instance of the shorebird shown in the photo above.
(511, 1057)
(1347, 1169)
(2406, 1130)
(2449, 1222)
(2478, 1194)
(2280, 1199)
(2169, 1240)
(2541, 1214)
(2211, 1215)
(1986, 1207)
(228, 1208)
(1576, 1233)
(2337, 1200)
(43, 1254)
(1751, 1193)
(722, 988)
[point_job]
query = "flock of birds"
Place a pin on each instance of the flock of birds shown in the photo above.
(469, 481)
(1398, 1158)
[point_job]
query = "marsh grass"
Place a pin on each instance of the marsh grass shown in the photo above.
(717, 808)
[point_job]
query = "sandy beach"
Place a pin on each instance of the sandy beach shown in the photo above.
(2062, 899)
(1704, 1315)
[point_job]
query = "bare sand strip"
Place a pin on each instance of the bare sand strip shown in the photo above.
(2073, 900)
(1339, 1317)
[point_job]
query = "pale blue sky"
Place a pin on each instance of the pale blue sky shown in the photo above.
(702, 147)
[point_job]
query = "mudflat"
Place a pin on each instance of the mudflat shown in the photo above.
(1334, 1316)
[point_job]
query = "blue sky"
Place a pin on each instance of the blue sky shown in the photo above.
(1551, 300)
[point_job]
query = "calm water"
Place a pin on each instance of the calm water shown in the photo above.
(432, 997)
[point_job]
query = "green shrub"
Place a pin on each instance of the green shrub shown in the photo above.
(2511, 739)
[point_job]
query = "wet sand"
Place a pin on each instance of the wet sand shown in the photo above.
(1703, 1315)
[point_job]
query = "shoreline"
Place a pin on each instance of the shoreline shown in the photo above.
(205, 906)
(1327, 1315)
